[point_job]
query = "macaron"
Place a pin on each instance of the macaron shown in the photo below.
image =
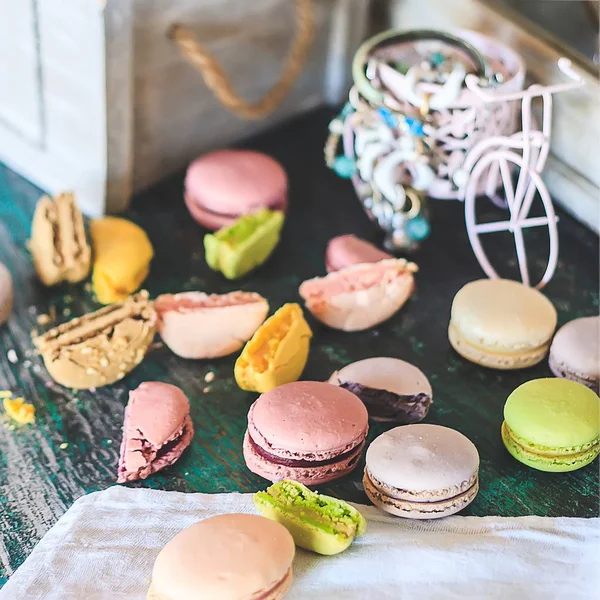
(501, 324)
(421, 471)
(246, 244)
(198, 325)
(6, 294)
(347, 250)
(222, 186)
(308, 431)
(552, 425)
(319, 523)
(122, 255)
(277, 352)
(227, 557)
(391, 389)
(575, 352)
(360, 296)
(157, 430)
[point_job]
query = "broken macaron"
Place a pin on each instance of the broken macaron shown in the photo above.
(198, 325)
(391, 389)
(277, 352)
(360, 296)
(346, 250)
(246, 244)
(156, 431)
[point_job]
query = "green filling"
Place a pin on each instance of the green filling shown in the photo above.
(320, 523)
(243, 246)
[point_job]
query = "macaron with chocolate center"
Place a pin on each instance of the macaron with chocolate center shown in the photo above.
(310, 432)
(391, 389)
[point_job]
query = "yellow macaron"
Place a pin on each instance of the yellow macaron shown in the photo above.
(501, 324)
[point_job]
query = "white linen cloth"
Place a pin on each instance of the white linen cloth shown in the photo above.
(104, 547)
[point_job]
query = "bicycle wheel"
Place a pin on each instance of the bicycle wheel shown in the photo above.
(519, 199)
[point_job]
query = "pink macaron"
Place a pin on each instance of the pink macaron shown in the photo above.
(156, 431)
(222, 186)
(347, 250)
(308, 431)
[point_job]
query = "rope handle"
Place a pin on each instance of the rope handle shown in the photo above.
(217, 80)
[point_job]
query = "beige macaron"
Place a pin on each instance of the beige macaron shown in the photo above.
(501, 324)
(227, 557)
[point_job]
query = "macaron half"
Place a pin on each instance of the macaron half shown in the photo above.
(227, 557)
(391, 389)
(552, 425)
(501, 324)
(421, 471)
(575, 352)
(222, 186)
(308, 431)
(6, 294)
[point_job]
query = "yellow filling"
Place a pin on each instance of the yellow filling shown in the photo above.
(277, 352)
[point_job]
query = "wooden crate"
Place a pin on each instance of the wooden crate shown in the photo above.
(96, 98)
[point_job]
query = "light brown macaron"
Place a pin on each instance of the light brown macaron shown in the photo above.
(501, 324)
(6, 294)
(227, 557)
(198, 325)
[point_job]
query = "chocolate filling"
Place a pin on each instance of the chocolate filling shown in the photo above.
(290, 462)
(388, 406)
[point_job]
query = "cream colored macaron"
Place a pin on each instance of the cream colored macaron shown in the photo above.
(501, 324)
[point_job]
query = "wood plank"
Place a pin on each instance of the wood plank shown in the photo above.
(40, 478)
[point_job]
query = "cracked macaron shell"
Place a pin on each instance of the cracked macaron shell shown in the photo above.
(122, 256)
(347, 250)
(157, 416)
(197, 325)
(276, 353)
(360, 296)
(552, 424)
(6, 294)
(245, 245)
(319, 523)
(501, 324)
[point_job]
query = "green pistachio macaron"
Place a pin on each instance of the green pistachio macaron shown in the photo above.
(246, 244)
(319, 523)
(552, 425)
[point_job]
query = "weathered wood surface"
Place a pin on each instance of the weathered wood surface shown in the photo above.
(39, 479)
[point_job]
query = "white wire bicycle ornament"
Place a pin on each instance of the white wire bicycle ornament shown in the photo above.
(526, 151)
(382, 139)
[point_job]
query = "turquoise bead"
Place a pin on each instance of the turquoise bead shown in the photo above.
(344, 166)
(437, 58)
(418, 228)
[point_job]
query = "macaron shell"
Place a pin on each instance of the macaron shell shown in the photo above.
(6, 294)
(495, 359)
(575, 352)
(346, 250)
(554, 413)
(307, 475)
(226, 557)
(422, 462)
(308, 418)
(384, 373)
(501, 316)
(546, 461)
(196, 325)
(419, 510)
(231, 183)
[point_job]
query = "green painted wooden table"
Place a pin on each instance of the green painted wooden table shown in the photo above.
(72, 448)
